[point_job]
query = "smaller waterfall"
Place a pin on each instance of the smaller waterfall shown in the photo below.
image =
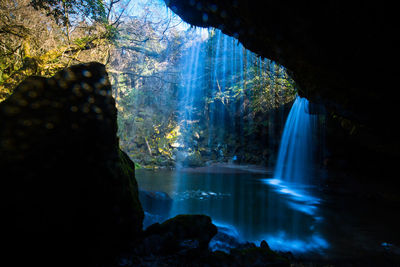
(295, 157)
(293, 180)
(295, 164)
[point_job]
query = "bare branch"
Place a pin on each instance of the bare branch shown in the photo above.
(141, 50)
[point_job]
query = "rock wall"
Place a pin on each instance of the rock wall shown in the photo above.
(67, 189)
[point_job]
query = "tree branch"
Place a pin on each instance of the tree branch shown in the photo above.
(141, 50)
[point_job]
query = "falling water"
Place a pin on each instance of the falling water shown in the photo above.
(295, 157)
(295, 164)
(190, 92)
(221, 63)
(292, 179)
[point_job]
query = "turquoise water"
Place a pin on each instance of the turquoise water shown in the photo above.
(254, 209)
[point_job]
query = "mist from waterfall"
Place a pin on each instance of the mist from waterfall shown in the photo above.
(222, 89)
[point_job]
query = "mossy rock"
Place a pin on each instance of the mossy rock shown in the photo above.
(68, 190)
(194, 159)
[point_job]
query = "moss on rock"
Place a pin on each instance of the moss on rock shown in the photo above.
(68, 190)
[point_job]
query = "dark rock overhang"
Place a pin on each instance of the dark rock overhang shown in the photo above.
(340, 53)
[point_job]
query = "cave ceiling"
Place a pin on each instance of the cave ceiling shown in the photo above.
(340, 53)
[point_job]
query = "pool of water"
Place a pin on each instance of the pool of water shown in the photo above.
(308, 221)
(255, 206)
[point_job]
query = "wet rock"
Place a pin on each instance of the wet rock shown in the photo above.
(254, 256)
(258, 257)
(179, 234)
(150, 218)
(155, 202)
(264, 244)
(226, 239)
(194, 159)
(67, 189)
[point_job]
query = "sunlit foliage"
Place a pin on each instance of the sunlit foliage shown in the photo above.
(142, 47)
(42, 37)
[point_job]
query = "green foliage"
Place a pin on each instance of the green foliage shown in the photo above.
(148, 103)
(82, 42)
(42, 37)
(142, 60)
(62, 10)
(138, 166)
(145, 80)
(112, 33)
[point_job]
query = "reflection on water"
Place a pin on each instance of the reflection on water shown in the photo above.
(298, 196)
(285, 215)
(197, 194)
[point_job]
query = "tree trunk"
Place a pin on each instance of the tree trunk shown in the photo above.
(148, 146)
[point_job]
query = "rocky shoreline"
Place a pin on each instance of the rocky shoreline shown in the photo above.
(228, 168)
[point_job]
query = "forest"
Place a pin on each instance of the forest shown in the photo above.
(144, 52)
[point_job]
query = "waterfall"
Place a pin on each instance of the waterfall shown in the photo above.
(295, 164)
(190, 92)
(292, 179)
(211, 68)
(295, 158)
(223, 91)
(230, 100)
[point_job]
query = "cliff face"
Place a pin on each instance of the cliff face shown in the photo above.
(340, 54)
(68, 190)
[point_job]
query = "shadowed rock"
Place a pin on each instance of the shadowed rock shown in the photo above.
(68, 190)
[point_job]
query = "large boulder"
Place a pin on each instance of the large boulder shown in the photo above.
(67, 188)
(184, 241)
(179, 234)
(155, 202)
